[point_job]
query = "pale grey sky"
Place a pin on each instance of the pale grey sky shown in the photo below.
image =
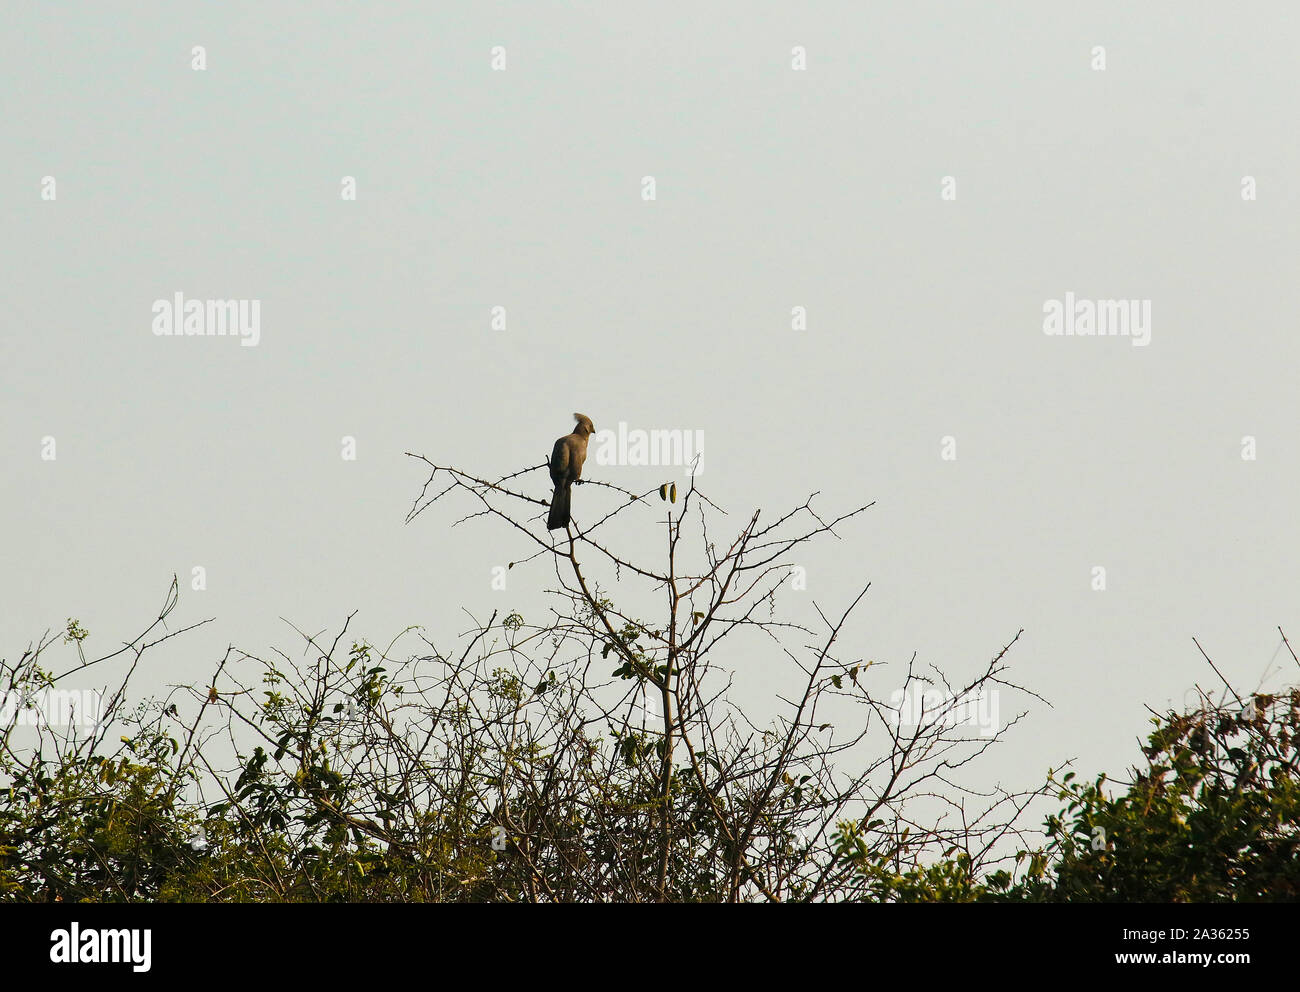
(776, 188)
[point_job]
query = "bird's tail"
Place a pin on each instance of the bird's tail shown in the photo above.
(559, 508)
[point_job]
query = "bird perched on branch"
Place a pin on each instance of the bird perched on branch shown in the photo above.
(566, 468)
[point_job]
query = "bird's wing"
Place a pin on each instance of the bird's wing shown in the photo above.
(560, 460)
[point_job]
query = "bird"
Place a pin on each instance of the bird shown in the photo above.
(567, 457)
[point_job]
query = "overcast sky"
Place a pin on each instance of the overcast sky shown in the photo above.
(774, 188)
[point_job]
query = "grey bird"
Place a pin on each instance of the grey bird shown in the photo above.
(567, 457)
